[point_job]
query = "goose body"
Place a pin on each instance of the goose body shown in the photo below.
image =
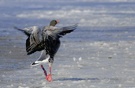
(46, 40)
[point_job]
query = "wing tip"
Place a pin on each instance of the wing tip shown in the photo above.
(16, 28)
(75, 26)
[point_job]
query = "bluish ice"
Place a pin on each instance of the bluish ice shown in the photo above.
(98, 54)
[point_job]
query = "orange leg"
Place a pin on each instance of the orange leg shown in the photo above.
(49, 76)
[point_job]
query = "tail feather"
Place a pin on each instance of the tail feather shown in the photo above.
(34, 64)
(44, 58)
(38, 62)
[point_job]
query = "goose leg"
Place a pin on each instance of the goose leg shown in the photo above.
(49, 76)
(44, 70)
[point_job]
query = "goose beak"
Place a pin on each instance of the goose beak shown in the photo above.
(57, 21)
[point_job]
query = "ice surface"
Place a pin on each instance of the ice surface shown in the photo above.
(99, 54)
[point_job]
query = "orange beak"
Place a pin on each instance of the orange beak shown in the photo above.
(57, 21)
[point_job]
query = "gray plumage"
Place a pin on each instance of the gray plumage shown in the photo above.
(45, 39)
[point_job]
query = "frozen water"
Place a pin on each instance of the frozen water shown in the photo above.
(99, 54)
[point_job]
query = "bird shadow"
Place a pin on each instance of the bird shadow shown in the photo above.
(77, 79)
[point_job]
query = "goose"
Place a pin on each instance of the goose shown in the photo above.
(47, 41)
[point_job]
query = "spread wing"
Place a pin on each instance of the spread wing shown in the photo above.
(34, 39)
(27, 31)
(59, 32)
(34, 42)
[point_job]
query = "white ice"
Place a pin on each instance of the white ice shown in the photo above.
(99, 54)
